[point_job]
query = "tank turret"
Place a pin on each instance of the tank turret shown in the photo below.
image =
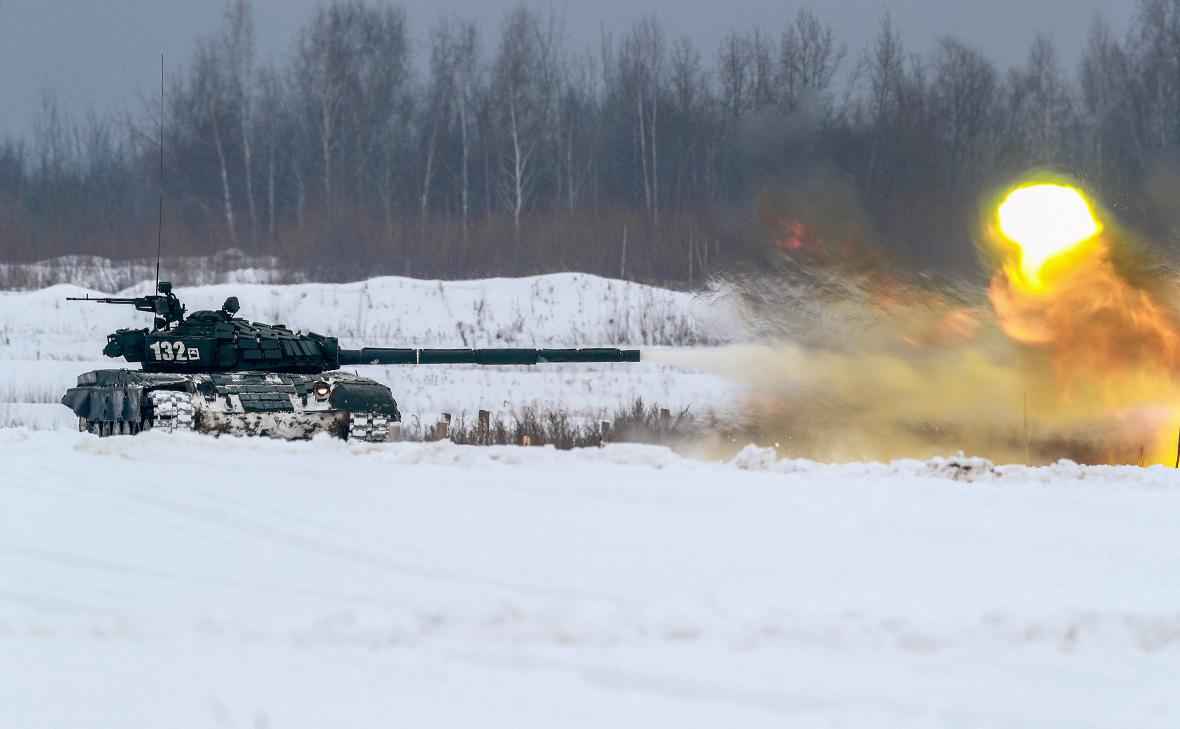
(217, 372)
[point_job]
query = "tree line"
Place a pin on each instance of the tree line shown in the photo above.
(512, 150)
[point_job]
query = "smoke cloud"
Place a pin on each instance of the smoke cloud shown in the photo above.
(858, 359)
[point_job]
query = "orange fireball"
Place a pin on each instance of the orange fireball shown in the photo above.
(1047, 223)
(1113, 345)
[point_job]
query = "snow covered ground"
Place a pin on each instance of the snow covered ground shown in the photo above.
(45, 341)
(189, 582)
(183, 581)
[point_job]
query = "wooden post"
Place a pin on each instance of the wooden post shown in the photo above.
(665, 422)
(603, 433)
(444, 426)
(623, 258)
(482, 430)
(1027, 450)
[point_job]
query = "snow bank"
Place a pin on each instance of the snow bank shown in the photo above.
(45, 341)
(164, 581)
(556, 310)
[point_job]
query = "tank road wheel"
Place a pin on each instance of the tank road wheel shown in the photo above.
(106, 428)
(369, 427)
(172, 410)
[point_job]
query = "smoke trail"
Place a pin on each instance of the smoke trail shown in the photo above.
(862, 362)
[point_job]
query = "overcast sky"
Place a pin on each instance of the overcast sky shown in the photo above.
(97, 54)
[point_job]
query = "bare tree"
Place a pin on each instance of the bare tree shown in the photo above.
(886, 73)
(272, 103)
(208, 76)
(521, 107)
(52, 143)
(1041, 106)
(1156, 37)
(321, 76)
(642, 61)
(576, 118)
(887, 81)
(690, 125)
(734, 75)
(965, 100)
(240, 46)
(809, 59)
(433, 116)
(380, 108)
(763, 82)
(1107, 103)
(454, 58)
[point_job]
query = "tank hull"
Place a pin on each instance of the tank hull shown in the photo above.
(277, 405)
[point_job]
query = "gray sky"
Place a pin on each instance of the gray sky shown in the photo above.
(97, 54)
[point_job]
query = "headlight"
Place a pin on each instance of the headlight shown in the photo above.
(321, 390)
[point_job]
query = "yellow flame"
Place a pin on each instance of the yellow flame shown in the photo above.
(1045, 221)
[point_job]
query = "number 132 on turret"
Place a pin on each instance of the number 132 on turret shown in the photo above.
(173, 350)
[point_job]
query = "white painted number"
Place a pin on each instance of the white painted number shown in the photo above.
(174, 352)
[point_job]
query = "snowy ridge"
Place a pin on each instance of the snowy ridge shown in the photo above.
(961, 469)
(46, 341)
(555, 310)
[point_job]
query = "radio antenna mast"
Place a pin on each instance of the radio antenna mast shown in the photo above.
(160, 220)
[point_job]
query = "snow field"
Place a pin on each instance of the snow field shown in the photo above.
(187, 581)
(566, 309)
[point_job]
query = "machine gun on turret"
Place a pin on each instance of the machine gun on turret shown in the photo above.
(163, 304)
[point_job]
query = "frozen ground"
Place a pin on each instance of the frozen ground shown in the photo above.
(45, 341)
(190, 582)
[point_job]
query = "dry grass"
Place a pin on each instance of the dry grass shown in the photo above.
(638, 423)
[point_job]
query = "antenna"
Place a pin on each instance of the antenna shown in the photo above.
(160, 221)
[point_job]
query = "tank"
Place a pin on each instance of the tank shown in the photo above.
(214, 372)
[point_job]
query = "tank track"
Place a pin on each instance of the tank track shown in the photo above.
(105, 428)
(172, 411)
(268, 404)
(368, 427)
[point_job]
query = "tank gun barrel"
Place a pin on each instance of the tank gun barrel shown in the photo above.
(381, 355)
